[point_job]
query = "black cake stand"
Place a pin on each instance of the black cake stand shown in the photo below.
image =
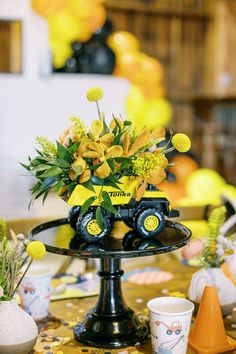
(111, 323)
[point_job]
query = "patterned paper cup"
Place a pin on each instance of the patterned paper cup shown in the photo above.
(170, 319)
(34, 291)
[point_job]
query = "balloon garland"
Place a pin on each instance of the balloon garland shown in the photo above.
(80, 35)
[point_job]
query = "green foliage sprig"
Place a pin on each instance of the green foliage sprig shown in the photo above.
(215, 221)
(14, 254)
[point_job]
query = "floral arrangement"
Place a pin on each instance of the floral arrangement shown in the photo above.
(101, 155)
(217, 248)
(14, 255)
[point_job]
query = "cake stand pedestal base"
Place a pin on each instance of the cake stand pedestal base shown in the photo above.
(111, 323)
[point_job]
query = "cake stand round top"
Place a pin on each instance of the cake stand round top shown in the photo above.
(60, 238)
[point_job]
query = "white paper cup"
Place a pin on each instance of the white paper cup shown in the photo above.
(34, 291)
(170, 319)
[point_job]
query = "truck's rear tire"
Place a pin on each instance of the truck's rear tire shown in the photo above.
(88, 227)
(73, 216)
(149, 222)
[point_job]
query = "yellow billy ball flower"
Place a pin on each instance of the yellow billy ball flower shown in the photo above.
(94, 94)
(181, 142)
(36, 250)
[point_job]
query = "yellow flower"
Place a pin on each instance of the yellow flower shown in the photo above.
(181, 142)
(96, 131)
(36, 250)
(96, 151)
(94, 94)
(149, 168)
(140, 141)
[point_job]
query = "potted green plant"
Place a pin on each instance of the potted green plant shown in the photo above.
(18, 332)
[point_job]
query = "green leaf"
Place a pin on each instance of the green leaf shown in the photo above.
(89, 185)
(3, 229)
(62, 163)
(51, 172)
(73, 148)
(25, 166)
(111, 164)
(63, 153)
(109, 207)
(105, 127)
(114, 179)
(45, 196)
(41, 168)
(36, 187)
(99, 217)
(106, 197)
(58, 186)
(39, 152)
(87, 204)
(123, 159)
(112, 184)
(78, 170)
(97, 181)
(117, 140)
(127, 123)
(115, 130)
(72, 187)
(49, 182)
(95, 167)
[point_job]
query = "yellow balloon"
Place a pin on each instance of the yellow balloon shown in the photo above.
(134, 101)
(151, 71)
(205, 185)
(84, 31)
(155, 91)
(128, 66)
(81, 9)
(97, 18)
(153, 113)
(123, 42)
(63, 28)
(61, 52)
(48, 8)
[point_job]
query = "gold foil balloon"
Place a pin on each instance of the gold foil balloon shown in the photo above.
(48, 8)
(123, 42)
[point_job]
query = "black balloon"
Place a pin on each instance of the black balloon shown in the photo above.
(93, 56)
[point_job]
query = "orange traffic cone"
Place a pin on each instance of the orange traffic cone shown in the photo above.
(208, 335)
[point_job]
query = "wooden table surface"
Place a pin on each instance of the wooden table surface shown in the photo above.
(136, 296)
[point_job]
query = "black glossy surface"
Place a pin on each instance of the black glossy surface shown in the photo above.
(173, 237)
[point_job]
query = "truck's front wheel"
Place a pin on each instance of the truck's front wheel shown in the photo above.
(89, 229)
(149, 222)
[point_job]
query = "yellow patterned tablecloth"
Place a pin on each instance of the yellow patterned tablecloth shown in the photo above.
(60, 340)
